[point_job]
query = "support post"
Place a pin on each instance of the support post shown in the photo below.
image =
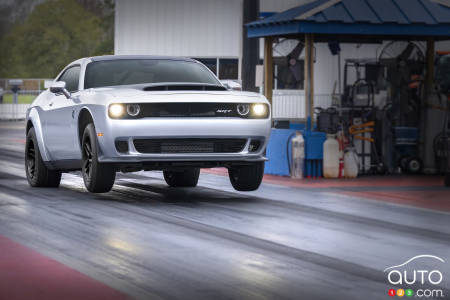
(268, 68)
(426, 152)
(250, 47)
(430, 64)
(425, 94)
(309, 79)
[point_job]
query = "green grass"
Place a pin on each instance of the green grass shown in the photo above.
(23, 99)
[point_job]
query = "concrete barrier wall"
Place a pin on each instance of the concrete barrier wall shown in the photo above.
(13, 111)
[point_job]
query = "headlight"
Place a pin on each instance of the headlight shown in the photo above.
(243, 109)
(259, 110)
(133, 109)
(116, 110)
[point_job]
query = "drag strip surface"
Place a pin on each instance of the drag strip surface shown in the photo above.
(151, 241)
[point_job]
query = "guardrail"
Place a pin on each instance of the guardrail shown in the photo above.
(290, 104)
(13, 111)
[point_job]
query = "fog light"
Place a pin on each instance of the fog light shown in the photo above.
(133, 109)
(259, 109)
(243, 109)
(116, 110)
(254, 145)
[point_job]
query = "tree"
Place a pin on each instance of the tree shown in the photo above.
(54, 34)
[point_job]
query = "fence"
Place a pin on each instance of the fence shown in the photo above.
(13, 111)
(10, 111)
(290, 104)
(37, 84)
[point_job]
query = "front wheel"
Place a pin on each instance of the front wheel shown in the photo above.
(246, 178)
(186, 178)
(447, 179)
(97, 177)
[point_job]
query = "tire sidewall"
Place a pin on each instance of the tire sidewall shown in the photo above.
(247, 178)
(89, 133)
(31, 135)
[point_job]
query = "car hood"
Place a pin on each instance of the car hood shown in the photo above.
(130, 95)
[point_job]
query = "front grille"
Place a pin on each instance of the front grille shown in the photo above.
(190, 110)
(197, 110)
(193, 145)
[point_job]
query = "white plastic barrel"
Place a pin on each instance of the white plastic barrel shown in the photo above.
(298, 156)
(331, 157)
(351, 161)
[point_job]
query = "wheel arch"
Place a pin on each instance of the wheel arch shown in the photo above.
(29, 125)
(84, 118)
(34, 121)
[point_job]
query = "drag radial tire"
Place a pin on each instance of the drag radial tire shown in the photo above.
(97, 177)
(246, 178)
(186, 178)
(38, 175)
(447, 179)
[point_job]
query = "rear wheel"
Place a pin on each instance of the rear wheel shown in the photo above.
(447, 179)
(246, 178)
(38, 175)
(97, 177)
(186, 178)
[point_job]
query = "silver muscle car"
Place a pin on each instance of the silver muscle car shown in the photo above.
(130, 113)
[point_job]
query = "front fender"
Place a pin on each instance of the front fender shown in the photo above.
(98, 115)
(35, 118)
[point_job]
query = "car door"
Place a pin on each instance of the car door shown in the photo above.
(60, 125)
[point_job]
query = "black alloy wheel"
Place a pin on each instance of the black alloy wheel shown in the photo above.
(31, 160)
(98, 177)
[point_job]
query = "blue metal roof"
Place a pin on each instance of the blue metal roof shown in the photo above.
(426, 18)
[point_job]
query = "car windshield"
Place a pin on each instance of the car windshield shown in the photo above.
(152, 71)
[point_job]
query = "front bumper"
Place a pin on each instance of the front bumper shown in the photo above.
(179, 128)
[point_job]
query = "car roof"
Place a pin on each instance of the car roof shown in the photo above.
(120, 57)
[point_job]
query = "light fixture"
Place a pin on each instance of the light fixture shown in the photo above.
(133, 109)
(259, 109)
(243, 109)
(116, 110)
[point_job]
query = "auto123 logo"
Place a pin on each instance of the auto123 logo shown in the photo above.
(420, 282)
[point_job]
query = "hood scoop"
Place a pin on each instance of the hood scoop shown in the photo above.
(184, 87)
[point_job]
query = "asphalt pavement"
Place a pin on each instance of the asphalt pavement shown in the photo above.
(149, 241)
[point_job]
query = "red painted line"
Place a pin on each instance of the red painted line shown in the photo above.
(434, 200)
(26, 274)
(368, 181)
(18, 141)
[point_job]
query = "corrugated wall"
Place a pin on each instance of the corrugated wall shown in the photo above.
(197, 28)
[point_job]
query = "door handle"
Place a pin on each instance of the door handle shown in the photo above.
(51, 104)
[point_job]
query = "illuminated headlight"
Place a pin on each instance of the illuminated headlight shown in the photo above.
(259, 110)
(133, 109)
(116, 110)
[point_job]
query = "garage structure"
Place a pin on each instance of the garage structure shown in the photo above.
(209, 30)
(364, 22)
(212, 32)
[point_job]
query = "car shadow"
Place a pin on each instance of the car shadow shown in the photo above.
(184, 196)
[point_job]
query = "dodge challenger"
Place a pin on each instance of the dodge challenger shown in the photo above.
(109, 114)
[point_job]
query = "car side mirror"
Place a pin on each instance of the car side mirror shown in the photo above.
(59, 87)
